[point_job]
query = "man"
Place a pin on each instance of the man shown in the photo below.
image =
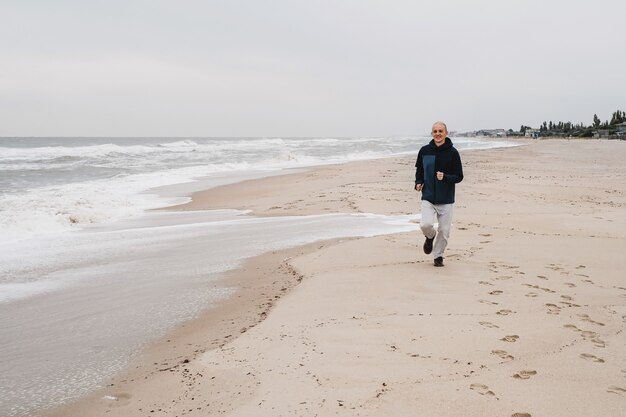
(437, 169)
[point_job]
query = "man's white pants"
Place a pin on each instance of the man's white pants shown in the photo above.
(442, 214)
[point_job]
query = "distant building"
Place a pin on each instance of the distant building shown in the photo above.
(532, 133)
(491, 132)
(620, 130)
(601, 133)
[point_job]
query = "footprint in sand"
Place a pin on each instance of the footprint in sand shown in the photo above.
(554, 267)
(553, 309)
(521, 415)
(481, 389)
(568, 304)
(485, 283)
(616, 390)
(531, 294)
(487, 324)
(597, 342)
(537, 287)
(504, 312)
(503, 277)
(496, 292)
(590, 357)
(570, 284)
(567, 300)
(542, 277)
(511, 338)
(588, 334)
(488, 302)
(524, 374)
(585, 317)
(503, 354)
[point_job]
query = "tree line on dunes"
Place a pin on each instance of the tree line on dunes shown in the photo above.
(550, 128)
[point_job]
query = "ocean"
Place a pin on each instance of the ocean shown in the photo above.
(89, 274)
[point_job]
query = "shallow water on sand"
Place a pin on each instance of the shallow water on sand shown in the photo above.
(76, 309)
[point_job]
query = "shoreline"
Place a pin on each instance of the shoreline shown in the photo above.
(378, 187)
(166, 362)
(163, 361)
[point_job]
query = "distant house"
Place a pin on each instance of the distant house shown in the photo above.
(620, 130)
(491, 132)
(532, 133)
(601, 133)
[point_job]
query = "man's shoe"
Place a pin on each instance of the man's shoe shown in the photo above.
(439, 261)
(428, 245)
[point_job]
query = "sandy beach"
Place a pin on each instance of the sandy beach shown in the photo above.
(527, 318)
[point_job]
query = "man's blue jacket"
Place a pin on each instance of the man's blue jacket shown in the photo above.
(432, 158)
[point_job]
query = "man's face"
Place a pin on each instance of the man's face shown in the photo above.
(439, 133)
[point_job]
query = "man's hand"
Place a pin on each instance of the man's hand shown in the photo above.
(439, 175)
(418, 187)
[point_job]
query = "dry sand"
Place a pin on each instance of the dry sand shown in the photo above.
(527, 318)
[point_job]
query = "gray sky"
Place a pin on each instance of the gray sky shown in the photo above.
(305, 68)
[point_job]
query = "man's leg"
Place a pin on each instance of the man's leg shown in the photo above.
(444, 216)
(427, 223)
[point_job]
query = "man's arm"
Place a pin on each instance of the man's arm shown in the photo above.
(419, 172)
(456, 175)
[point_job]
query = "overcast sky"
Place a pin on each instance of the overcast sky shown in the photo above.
(306, 68)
